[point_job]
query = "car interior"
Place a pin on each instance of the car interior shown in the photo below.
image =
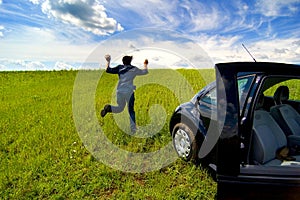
(275, 137)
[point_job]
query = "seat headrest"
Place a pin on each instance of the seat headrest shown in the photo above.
(281, 95)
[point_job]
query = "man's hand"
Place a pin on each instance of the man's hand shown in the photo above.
(146, 64)
(107, 57)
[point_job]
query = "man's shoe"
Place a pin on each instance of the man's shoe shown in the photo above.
(106, 109)
(133, 131)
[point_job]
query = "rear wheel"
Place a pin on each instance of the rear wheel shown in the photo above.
(184, 142)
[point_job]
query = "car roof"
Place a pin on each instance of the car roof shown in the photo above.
(265, 67)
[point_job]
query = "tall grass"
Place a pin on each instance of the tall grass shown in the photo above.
(42, 156)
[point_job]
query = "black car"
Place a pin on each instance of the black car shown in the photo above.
(246, 127)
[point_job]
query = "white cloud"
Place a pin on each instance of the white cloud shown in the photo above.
(227, 49)
(35, 65)
(192, 15)
(189, 16)
(35, 1)
(148, 12)
(221, 48)
(1, 31)
(30, 43)
(280, 50)
(21, 65)
(25, 65)
(163, 48)
(160, 53)
(275, 8)
(86, 14)
(62, 66)
(200, 17)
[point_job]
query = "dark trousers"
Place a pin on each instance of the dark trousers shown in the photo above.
(122, 99)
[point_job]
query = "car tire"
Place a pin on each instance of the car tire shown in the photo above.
(184, 142)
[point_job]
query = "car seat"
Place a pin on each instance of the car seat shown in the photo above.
(286, 116)
(267, 138)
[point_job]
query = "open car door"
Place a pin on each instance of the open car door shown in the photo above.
(243, 134)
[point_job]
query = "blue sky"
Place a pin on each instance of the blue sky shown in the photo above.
(62, 34)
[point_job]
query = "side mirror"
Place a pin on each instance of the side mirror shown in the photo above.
(198, 99)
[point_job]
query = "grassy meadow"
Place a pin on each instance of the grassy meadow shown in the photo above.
(43, 157)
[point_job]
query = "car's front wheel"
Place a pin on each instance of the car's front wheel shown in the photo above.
(184, 142)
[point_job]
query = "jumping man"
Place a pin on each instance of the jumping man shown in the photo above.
(125, 89)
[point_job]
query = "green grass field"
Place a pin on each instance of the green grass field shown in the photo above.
(43, 157)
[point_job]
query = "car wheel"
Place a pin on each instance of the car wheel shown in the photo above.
(184, 142)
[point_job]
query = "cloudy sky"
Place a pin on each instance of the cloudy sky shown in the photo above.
(62, 34)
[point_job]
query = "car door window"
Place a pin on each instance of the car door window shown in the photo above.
(244, 85)
(210, 98)
(243, 88)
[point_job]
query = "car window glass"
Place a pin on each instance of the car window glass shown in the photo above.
(211, 97)
(243, 89)
(292, 84)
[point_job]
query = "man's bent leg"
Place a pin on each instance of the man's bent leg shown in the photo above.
(115, 109)
(121, 101)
